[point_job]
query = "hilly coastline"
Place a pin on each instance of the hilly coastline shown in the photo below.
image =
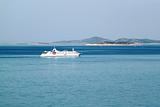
(93, 41)
(103, 41)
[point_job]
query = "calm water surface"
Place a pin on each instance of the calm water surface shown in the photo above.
(100, 77)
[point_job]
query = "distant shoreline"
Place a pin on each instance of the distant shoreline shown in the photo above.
(88, 44)
(107, 44)
(92, 41)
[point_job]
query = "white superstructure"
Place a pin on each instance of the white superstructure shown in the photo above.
(56, 53)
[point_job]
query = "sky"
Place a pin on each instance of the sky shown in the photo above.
(54, 20)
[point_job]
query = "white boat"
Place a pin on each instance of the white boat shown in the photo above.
(56, 53)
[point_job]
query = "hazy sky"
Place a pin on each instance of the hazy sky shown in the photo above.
(52, 20)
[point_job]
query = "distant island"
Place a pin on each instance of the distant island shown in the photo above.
(99, 41)
(94, 41)
(123, 42)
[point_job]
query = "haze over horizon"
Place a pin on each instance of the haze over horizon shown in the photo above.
(54, 20)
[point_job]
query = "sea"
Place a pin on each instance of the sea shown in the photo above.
(103, 76)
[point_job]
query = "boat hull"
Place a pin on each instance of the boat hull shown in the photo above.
(60, 55)
(56, 53)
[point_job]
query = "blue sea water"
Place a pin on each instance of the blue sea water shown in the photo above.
(100, 77)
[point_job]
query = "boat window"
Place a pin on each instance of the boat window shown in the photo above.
(45, 52)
